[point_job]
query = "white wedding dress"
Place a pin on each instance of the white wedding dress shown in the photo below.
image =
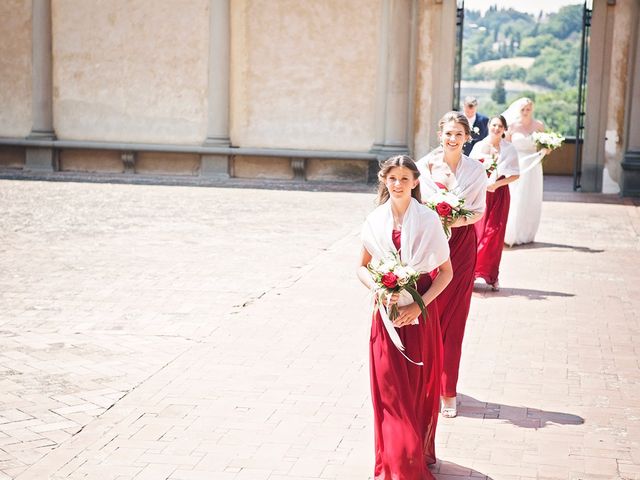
(526, 193)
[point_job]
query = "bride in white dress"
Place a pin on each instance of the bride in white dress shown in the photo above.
(526, 193)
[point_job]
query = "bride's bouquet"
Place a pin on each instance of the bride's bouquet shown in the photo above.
(449, 206)
(392, 276)
(548, 140)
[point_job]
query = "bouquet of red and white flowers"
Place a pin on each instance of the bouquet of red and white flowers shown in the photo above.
(490, 163)
(548, 140)
(449, 206)
(392, 276)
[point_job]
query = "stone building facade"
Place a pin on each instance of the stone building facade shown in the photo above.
(314, 90)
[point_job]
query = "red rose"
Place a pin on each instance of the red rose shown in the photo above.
(481, 160)
(390, 280)
(443, 209)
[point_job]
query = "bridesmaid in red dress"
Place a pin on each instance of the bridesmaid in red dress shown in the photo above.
(493, 225)
(448, 167)
(405, 395)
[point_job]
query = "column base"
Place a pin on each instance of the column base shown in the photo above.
(631, 174)
(217, 142)
(214, 166)
(387, 150)
(41, 160)
(41, 135)
(383, 151)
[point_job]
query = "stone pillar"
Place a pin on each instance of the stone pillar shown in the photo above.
(631, 162)
(218, 95)
(394, 79)
(436, 58)
(598, 79)
(444, 63)
(41, 88)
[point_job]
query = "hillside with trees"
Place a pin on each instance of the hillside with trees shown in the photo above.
(542, 52)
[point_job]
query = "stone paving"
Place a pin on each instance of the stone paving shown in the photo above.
(182, 332)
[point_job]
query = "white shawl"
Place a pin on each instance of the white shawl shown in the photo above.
(507, 159)
(423, 244)
(423, 247)
(470, 180)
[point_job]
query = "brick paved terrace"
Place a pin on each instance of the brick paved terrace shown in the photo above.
(182, 332)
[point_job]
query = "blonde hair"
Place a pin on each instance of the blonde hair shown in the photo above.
(525, 101)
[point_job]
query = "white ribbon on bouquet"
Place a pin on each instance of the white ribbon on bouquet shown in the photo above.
(391, 329)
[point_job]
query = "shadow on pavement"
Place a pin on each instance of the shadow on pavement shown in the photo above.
(520, 416)
(530, 246)
(519, 292)
(446, 470)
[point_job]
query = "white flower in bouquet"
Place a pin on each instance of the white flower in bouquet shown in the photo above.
(445, 196)
(391, 275)
(387, 265)
(448, 206)
(490, 163)
(401, 273)
(549, 140)
(410, 271)
(405, 274)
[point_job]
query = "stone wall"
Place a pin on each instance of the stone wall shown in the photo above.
(130, 70)
(15, 68)
(303, 73)
(355, 76)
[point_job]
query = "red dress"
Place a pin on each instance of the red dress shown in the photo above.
(454, 302)
(405, 396)
(490, 231)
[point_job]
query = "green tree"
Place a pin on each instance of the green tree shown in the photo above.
(558, 110)
(525, 93)
(499, 94)
(510, 72)
(556, 68)
(532, 46)
(554, 43)
(472, 15)
(563, 24)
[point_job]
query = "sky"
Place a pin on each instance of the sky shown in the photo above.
(521, 5)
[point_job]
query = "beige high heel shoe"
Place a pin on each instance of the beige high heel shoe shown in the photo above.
(450, 412)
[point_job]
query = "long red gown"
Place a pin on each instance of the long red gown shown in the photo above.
(490, 231)
(406, 396)
(454, 302)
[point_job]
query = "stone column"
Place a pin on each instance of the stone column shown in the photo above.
(598, 79)
(444, 42)
(631, 162)
(393, 79)
(218, 95)
(436, 57)
(41, 87)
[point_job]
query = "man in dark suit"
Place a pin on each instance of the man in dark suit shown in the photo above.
(479, 123)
